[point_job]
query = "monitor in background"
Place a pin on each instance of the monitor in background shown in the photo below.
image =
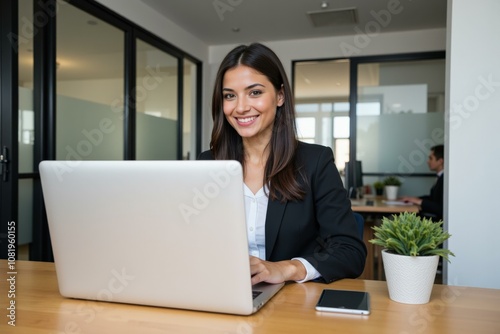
(354, 178)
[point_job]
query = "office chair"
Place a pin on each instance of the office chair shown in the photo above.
(360, 222)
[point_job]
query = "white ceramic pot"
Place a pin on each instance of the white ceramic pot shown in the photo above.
(391, 192)
(410, 278)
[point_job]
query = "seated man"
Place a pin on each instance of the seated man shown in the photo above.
(431, 205)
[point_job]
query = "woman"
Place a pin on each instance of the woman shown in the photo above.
(300, 223)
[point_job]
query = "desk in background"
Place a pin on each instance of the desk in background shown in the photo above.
(378, 206)
(41, 309)
(373, 209)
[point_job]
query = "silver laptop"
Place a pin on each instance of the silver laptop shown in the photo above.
(160, 233)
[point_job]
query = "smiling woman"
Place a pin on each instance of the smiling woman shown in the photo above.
(250, 103)
(299, 220)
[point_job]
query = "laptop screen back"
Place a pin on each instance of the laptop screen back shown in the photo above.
(162, 233)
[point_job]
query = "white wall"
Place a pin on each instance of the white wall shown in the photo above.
(472, 177)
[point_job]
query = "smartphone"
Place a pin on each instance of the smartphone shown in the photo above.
(344, 301)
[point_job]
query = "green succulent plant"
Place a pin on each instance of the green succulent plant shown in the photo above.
(378, 185)
(411, 235)
(392, 181)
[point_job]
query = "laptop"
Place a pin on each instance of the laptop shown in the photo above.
(159, 233)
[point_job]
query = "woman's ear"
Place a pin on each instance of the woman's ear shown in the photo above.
(281, 96)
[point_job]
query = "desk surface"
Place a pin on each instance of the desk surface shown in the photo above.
(378, 206)
(40, 309)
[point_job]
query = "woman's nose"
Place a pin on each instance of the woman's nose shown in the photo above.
(242, 105)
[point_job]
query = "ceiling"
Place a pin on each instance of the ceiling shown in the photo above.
(94, 53)
(214, 21)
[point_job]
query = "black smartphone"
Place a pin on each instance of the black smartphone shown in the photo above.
(344, 301)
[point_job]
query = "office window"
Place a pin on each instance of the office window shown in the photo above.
(327, 124)
(322, 105)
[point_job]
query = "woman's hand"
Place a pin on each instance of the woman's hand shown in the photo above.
(276, 272)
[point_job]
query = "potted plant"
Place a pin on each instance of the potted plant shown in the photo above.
(392, 184)
(379, 188)
(411, 250)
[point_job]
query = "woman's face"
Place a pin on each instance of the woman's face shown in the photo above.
(250, 102)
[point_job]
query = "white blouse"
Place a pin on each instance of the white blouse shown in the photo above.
(256, 211)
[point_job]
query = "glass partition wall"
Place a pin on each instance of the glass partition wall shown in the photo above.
(156, 103)
(90, 78)
(401, 119)
(91, 88)
(384, 111)
(26, 132)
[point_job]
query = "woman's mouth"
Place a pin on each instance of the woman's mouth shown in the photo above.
(246, 120)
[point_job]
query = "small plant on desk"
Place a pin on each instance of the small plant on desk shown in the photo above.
(392, 181)
(392, 184)
(411, 235)
(411, 246)
(379, 188)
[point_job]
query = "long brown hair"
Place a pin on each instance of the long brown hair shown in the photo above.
(281, 170)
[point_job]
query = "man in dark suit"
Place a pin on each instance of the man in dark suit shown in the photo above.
(431, 205)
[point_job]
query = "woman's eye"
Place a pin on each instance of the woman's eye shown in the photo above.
(228, 96)
(255, 92)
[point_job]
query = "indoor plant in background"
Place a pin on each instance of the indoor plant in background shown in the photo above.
(411, 246)
(379, 188)
(392, 184)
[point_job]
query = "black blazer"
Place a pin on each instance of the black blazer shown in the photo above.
(321, 228)
(432, 204)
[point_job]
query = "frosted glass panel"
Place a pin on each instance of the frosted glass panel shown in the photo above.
(25, 213)
(151, 145)
(88, 131)
(90, 87)
(398, 143)
(396, 138)
(156, 103)
(395, 99)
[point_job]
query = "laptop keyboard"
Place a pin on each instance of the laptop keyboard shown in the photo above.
(255, 294)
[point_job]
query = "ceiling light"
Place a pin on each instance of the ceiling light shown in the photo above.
(324, 5)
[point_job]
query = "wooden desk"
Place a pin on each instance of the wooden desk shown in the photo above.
(379, 207)
(371, 213)
(40, 309)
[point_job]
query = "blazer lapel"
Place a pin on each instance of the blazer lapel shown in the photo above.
(274, 217)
